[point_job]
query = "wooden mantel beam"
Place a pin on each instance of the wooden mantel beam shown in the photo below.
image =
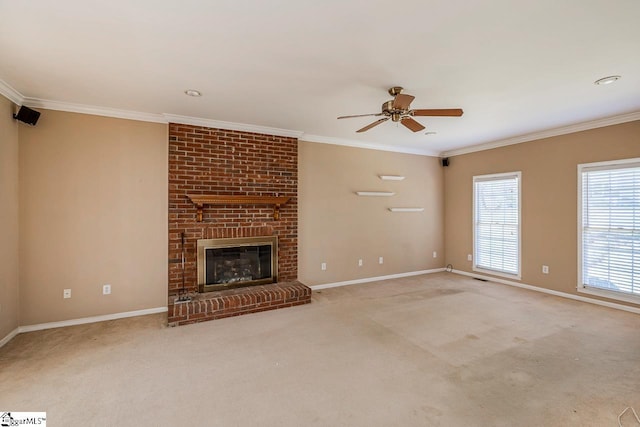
(200, 200)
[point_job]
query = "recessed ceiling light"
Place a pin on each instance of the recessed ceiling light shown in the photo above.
(430, 133)
(192, 92)
(607, 80)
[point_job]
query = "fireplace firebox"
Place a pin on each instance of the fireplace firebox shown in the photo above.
(235, 263)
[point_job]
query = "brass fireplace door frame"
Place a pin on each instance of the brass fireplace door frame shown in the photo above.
(204, 244)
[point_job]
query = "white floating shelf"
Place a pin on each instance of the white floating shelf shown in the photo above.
(406, 209)
(391, 177)
(375, 193)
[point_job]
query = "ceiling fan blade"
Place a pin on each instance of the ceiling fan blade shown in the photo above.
(360, 115)
(412, 124)
(402, 101)
(452, 112)
(376, 123)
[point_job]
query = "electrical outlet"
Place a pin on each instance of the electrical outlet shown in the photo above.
(380, 260)
(469, 257)
(359, 263)
(545, 269)
(323, 266)
(66, 293)
(435, 254)
(106, 289)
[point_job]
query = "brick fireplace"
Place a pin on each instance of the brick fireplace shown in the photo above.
(213, 163)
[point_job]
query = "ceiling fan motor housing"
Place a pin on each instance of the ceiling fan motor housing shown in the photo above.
(394, 113)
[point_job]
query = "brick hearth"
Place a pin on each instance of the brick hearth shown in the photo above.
(234, 302)
(222, 162)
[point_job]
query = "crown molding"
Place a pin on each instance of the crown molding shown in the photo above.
(578, 127)
(155, 118)
(362, 144)
(10, 93)
(195, 121)
(93, 110)
(17, 98)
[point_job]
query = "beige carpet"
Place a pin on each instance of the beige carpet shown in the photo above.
(433, 350)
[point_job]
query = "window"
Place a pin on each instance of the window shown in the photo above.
(496, 225)
(609, 228)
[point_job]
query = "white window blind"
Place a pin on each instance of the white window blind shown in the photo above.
(497, 223)
(611, 226)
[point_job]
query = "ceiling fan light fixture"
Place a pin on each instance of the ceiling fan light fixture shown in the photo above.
(607, 80)
(193, 92)
(430, 133)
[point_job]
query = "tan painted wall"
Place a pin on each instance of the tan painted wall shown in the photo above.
(549, 198)
(93, 195)
(9, 219)
(338, 227)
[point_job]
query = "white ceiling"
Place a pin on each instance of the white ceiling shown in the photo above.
(515, 67)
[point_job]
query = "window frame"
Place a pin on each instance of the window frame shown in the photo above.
(580, 287)
(497, 177)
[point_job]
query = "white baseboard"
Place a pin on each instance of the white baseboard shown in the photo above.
(374, 279)
(81, 321)
(9, 336)
(93, 319)
(551, 292)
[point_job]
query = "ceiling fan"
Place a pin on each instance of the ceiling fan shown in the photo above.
(398, 110)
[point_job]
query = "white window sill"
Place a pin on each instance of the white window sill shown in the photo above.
(618, 296)
(497, 273)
